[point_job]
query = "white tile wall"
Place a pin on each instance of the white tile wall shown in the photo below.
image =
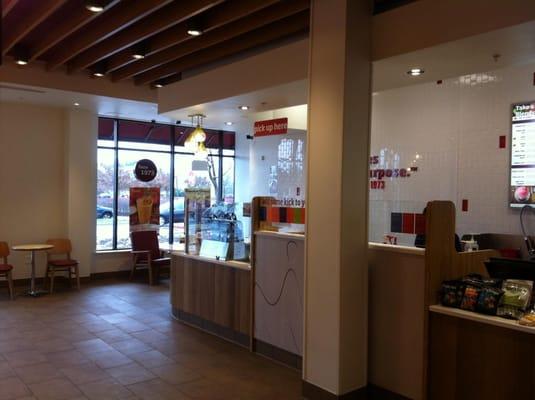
(455, 128)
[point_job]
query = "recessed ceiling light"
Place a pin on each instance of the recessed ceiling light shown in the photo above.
(228, 123)
(138, 56)
(95, 6)
(243, 108)
(21, 61)
(158, 85)
(194, 32)
(76, 104)
(415, 71)
(98, 74)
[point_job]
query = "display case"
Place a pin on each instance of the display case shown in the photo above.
(222, 234)
(197, 201)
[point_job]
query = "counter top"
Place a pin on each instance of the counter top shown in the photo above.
(233, 264)
(485, 319)
(281, 235)
(397, 248)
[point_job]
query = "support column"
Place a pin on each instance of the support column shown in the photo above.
(336, 277)
(80, 173)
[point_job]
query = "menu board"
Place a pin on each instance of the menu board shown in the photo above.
(522, 190)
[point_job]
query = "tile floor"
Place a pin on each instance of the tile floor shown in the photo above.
(116, 340)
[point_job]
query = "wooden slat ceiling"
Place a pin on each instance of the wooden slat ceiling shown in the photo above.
(64, 34)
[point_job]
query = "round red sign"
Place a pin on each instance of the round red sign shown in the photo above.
(145, 170)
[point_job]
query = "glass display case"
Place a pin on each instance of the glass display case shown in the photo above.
(197, 201)
(222, 234)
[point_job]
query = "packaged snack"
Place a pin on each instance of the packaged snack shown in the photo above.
(451, 293)
(497, 283)
(488, 300)
(471, 294)
(528, 319)
(516, 298)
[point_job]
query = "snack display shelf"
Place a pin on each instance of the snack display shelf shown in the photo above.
(397, 248)
(230, 263)
(485, 319)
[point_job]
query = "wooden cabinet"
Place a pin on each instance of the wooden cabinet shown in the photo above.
(473, 360)
(212, 295)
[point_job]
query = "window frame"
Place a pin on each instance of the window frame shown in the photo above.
(171, 153)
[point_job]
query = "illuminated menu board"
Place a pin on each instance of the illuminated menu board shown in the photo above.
(522, 190)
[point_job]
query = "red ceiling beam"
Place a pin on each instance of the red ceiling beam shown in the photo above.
(77, 18)
(212, 19)
(158, 21)
(105, 25)
(269, 33)
(15, 29)
(260, 18)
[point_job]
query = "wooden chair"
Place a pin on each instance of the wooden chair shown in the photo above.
(147, 255)
(59, 260)
(5, 268)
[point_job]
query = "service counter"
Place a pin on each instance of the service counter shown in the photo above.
(397, 319)
(473, 356)
(212, 295)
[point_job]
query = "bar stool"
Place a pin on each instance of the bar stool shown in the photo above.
(5, 268)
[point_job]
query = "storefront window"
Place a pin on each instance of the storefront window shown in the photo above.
(123, 143)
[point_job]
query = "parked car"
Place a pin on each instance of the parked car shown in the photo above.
(104, 212)
(178, 212)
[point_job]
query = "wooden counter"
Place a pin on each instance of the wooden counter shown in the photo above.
(212, 295)
(473, 356)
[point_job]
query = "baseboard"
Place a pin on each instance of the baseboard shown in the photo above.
(280, 355)
(370, 392)
(211, 327)
(125, 274)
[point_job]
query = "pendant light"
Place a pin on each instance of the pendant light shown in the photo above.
(195, 141)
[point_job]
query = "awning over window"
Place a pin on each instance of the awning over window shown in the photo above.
(148, 132)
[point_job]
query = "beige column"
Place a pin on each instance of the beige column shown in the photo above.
(336, 278)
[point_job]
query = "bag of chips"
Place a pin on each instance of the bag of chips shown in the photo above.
(470, 297)
(488, 300)
(451, 293)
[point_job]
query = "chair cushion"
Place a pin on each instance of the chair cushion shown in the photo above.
(5, 267)
(63, 263)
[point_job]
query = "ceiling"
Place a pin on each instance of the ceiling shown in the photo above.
(66, 35)
(489, 51)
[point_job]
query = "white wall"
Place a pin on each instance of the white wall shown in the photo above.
(33, 201)
(454, 127)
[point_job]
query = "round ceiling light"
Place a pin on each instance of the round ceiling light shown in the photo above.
(98, 74)
(243, 108)
(95, 6)
(138, 56)
(21, 61)
(158, 85)
(228, 123)
(415, 71)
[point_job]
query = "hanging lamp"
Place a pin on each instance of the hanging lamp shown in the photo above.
(195, 141)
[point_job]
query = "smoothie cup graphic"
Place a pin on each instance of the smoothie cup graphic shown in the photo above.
(144, 209)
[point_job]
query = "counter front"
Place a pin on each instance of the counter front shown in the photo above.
(212, 295)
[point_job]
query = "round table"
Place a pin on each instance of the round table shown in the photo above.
(32, 248)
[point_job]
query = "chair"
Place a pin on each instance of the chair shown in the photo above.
(59, 260)
(147, 255)
(5, 268)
